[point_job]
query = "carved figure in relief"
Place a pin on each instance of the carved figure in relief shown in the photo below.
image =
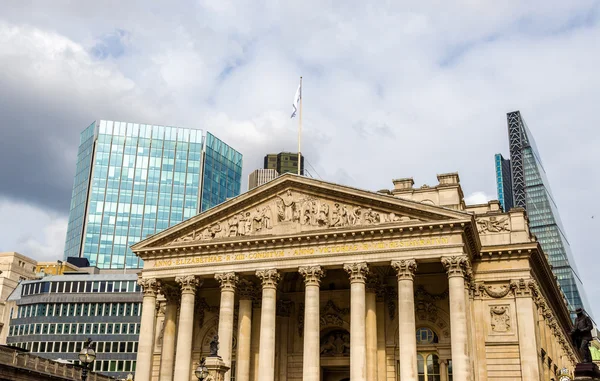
(266, 217)
(241, 224)
(248, 223)
(233, 226)
(289, 206)
(500, 319)
(339, 216)
(336, 343)
(492, 225)
(323, 218)
(329, 346)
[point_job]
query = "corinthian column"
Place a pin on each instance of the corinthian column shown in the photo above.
(147, 328)
(457, 267)
(247, 293)
(167, 354)
(407, 338)
(311, 368)
(228, 283)
(185, 333)
(358, 360)
(266, 352)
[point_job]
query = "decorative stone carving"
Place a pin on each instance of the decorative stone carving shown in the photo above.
(188, 283)
(290, 210)
(171, 292)
(247, 290)
(494, 224)
(228, 281)
(373, 284)
(457, 266)
(522, 287)
(500, 319)
(357, 271)
(405, 268)
(312, 274)
(426, 308)
(494, 292)
(336, 343)
(284, 308)
(201, 307)
(150, 286)
(332, 315)
(269, 278)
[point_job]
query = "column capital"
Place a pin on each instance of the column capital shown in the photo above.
(188, 283)
(269, 278)
(457, 266)
(246, 290)
(358, 271)
(312, 274)
(171, 292)
(228, 281)
(150, 286)
(405, 269)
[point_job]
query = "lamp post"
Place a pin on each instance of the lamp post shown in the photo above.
(201, 371)
(87, 356)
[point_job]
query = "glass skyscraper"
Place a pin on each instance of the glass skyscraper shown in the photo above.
(522, 182)
(134, 180)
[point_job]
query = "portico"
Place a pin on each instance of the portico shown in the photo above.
(306, 280)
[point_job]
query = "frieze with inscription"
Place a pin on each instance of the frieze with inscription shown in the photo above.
(291, 212)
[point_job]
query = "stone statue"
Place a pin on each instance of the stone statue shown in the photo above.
(289, 206)
(582, 334)
(214, 346)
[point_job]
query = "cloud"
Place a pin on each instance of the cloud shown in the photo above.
(32, 231)
(476, 198)
(390, 90)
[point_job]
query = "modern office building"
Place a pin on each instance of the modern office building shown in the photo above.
(133, 180)
(260, 177)
(526, 186)
(284, 162)
(55, 315)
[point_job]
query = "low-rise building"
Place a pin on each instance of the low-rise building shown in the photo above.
(56, 314)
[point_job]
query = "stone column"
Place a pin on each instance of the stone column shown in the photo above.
(247, 292)
(525, 308)
(266, 356)
(443, 370)
(283, 311)
(358, 360)
(381, 355)
(228, 282)
(147, 328)
(371, 326)
(457, 267)
(167, 354)
(185, 332)
(311, 368)
(405, 271)
(255, 345)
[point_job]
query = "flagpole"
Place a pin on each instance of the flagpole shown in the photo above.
(300, 130)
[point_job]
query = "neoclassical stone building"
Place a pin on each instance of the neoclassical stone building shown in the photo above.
(307, 280)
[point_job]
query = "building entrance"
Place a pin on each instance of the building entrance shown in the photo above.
(341, 373)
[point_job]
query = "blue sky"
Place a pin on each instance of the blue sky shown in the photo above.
(390, 91)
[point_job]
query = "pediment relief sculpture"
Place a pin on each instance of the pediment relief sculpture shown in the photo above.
(494, 224)
(291, 212)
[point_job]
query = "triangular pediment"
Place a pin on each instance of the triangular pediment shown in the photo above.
(292, 205)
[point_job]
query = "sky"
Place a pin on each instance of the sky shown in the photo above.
(390, 90)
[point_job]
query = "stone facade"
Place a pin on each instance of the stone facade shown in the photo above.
(308, 280)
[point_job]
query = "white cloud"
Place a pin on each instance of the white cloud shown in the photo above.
(32, 231)
(478, 198)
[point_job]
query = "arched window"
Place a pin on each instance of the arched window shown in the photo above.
(426, 336)
(428, 367)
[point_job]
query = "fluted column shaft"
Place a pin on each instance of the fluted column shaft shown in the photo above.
(183, 361)
(371, 326)
(358, 360)
(228, 282)
(266, 355)
(167, 355)
(457, 268)
(311, 368)
(244, 337)
(407, 338)
(147, 328)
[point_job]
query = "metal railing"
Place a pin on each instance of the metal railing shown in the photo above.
(41, 365)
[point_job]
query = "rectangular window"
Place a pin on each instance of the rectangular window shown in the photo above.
(36, 346)
(42, 347)
(71, 347)
(53, 286)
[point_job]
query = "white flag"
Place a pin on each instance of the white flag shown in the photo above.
(297, 98)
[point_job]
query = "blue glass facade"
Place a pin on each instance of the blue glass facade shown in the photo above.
(503, 182)
(222, 177)
(530, 189)
(140, 179)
